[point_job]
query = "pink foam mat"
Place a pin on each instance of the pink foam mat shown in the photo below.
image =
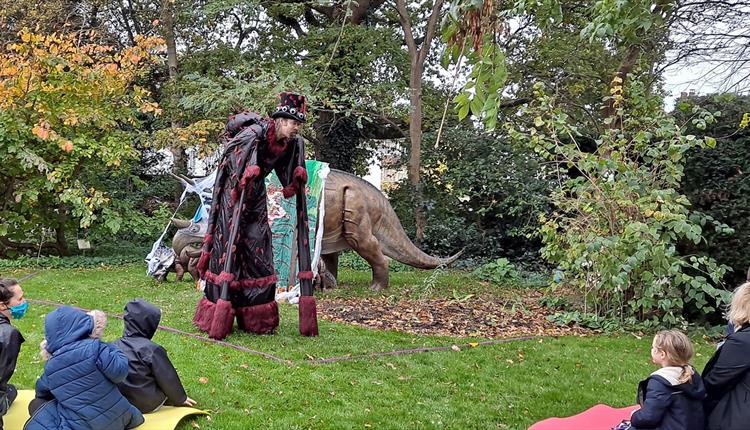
(599, 417)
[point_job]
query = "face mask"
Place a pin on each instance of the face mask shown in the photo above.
(17, 312)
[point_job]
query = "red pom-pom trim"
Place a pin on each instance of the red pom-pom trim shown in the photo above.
(251, 172)
(289, 190)
(300, 174)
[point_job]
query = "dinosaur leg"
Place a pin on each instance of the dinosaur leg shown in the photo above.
(358, 234)
(329, 278)
(179, 270)
(192, 255)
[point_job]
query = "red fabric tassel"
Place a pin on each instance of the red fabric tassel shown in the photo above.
(259, 319)
(224, 276)
(250, 173)
(254, 282)
(203, 262)
(222, 321)
(204, 313)
(300, 174)
(289, 190)
(308, 316)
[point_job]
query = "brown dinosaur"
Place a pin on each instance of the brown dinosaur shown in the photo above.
(357, 217)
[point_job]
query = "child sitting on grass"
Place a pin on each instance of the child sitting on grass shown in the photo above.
(152, 380)
(672, 397)
(77, 389)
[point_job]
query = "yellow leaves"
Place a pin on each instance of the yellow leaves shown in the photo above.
(70, 118)
(8, 70)
(25, 37)
(150, 107)
(616, 91)
(745, 120)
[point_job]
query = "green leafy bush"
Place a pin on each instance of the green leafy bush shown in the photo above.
(617, 223)
(78, 261)
(499, 271)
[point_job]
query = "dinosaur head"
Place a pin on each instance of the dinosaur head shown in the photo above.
(189, 233)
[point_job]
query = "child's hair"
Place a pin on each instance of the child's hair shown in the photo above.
(678, 349)
(6, 289)
(739, 309)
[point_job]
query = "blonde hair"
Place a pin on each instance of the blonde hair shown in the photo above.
(739, 309)
(678, 349)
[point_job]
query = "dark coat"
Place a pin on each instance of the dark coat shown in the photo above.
(668, 405)
(251, 152)
(80, 378)
(10, 346)
(727, 379)
(152, 380)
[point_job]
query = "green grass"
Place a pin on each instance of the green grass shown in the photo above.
(507, 386)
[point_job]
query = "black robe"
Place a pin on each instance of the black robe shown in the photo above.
(251, 153)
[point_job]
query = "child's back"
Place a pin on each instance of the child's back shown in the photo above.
(668, 404)
(79, 378)
(152, 380)
(672, 397)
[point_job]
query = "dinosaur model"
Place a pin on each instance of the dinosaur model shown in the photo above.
(357, 217)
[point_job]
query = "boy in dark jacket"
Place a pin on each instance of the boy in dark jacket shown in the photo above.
(77, 390)
(152, 381)
(672, 397)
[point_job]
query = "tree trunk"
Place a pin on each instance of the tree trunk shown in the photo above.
(167, 22)
(178, 153)
(418, 57)
(62, 245)
(415, 155)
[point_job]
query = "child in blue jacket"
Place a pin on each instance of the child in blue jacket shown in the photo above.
(77, 390)
(672, 397)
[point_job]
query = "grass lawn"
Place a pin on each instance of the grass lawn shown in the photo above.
(505, 386)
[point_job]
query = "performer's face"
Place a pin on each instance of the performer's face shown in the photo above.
(287, 128)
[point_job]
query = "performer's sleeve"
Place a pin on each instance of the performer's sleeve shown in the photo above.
(293, 174)
(238, 166)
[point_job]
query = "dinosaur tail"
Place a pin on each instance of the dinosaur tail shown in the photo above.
(396, 244)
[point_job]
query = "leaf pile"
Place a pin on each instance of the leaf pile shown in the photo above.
(469, 317)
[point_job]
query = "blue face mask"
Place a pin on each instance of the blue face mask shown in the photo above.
(17, 312)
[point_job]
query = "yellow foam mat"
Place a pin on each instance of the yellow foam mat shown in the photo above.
(164, 419)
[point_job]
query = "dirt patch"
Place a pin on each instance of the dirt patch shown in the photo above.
(470, 317)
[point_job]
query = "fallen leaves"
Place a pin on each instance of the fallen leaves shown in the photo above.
(473, 317)
(203, 380)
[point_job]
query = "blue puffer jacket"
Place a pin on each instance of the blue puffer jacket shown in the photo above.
(80, 377)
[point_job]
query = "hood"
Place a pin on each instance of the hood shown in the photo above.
(66, 325)
(141, 319)
(237, 123)
(693, 388)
